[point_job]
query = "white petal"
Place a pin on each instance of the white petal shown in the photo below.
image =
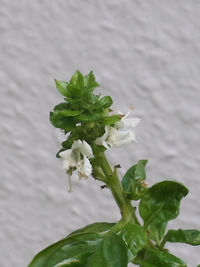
(112, 137)
(76, 144)
(123, 138)
(68, 159)
(84, 167)
(119, 124)
(101, 140)
(65, 154)
(105, 145)
(65, 165)
(86, 149)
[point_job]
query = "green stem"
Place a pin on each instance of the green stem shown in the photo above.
(122, 202)
(113, 183)
(105, 166)
(111, 179)
(163, 243)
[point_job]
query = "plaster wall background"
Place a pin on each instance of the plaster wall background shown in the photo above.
(144, 54)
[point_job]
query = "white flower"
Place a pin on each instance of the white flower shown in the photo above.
(114, 137)
(77, 157)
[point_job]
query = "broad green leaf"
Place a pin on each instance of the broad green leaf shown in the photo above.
(69, 113)
(191, 236)
(132, 181)
(109, 120)
(62, 87)
(59, 121)
(135, 238)
(159, 205)
(161, 259)
(99, 227)
(89, 81)
(105, 102)
(111, 252)
(72, 251)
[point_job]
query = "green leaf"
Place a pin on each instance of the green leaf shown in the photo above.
(99, 227)
(89, 81)
(88, 101)
(59, 121)
(132, 180)
(62, 87)
(111, 252)
(105, 102)
(75, 88)
(72, 251)
(89, 117)
(144, 264)
(159, 258)
(159, 205)
(191, 237)
(77, 80)
(135, 238)
(62, 106)
(69, 113)
(109, 120)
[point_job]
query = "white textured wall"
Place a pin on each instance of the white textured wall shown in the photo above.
(146, 54)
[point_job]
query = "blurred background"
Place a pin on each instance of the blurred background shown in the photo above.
(146, 55)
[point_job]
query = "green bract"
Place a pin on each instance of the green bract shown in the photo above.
(90, 127)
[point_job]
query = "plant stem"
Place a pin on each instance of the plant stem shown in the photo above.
(163, 243)
(127, 211)
(113, 183)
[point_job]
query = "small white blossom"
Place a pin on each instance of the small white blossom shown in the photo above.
(114, 137)
(77, 157)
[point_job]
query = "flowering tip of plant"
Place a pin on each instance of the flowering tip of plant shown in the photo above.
(86, 116)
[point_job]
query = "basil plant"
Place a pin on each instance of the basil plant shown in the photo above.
(91, 127)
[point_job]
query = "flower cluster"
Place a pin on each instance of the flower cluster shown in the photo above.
(113, 136)
(78, 157)
(89, 124)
